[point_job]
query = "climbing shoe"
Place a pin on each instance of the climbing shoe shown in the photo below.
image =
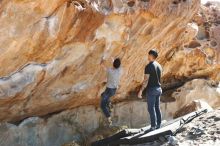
(158, 126)
(110, 121)
(152, 128)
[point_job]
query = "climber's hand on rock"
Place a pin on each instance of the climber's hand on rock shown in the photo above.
(112, 59)
(102, 61)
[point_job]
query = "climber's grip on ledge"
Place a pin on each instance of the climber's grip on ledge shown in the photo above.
(105, 63)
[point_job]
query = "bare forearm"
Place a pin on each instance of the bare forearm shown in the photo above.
(103, 64)
(145, 82)
(106, 62)
(144, 85)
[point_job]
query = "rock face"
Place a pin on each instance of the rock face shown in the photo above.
(86, 124)
(51, 50)
(192, 107)
(71, 125)
(197, 89)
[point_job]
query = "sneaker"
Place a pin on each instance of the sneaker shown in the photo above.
(110, 107)
(110, 121)
(152, 128)
(158, 126)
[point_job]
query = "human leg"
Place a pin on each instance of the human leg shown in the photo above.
(105, 103)
(157, 108)
(151, 108)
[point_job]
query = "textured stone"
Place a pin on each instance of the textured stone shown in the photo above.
(194, 44)
(197, 89)
(203, 130)
(71, 125)
(191, 107)
(76, 124)
(51, 50)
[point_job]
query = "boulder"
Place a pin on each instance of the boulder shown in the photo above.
(51, 55)
(191, 107)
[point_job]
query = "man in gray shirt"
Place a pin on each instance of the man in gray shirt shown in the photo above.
(113, 78)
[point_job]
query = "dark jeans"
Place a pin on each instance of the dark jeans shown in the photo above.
(105, 101)
(153, 102)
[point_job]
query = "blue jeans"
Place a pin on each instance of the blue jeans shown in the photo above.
(153, 102)
(109, 92)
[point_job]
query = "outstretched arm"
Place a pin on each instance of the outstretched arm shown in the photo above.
(144, 85)
(104, 62)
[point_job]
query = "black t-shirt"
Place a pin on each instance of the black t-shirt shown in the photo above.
(154, 69)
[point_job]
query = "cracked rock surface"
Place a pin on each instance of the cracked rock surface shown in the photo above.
(51, 50)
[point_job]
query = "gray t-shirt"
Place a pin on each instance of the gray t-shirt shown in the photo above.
(113, 77)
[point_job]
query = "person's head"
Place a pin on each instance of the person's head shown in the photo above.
(117, 63)
(152, 55)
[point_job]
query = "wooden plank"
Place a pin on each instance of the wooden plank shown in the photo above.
(144, 135)
(121, 134)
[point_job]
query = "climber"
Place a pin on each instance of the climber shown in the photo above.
(113, 78)
(152, 84)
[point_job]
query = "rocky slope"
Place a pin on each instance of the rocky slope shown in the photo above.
(204, 130)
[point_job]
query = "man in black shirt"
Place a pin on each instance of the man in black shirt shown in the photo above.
(152, 84)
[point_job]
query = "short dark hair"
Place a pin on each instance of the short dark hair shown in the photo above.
(117, 63)
(154, 53)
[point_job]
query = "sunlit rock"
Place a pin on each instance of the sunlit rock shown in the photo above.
(192, 107)
(51, 50)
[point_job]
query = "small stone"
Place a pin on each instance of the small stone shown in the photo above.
(131, 3)
(217, 119)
